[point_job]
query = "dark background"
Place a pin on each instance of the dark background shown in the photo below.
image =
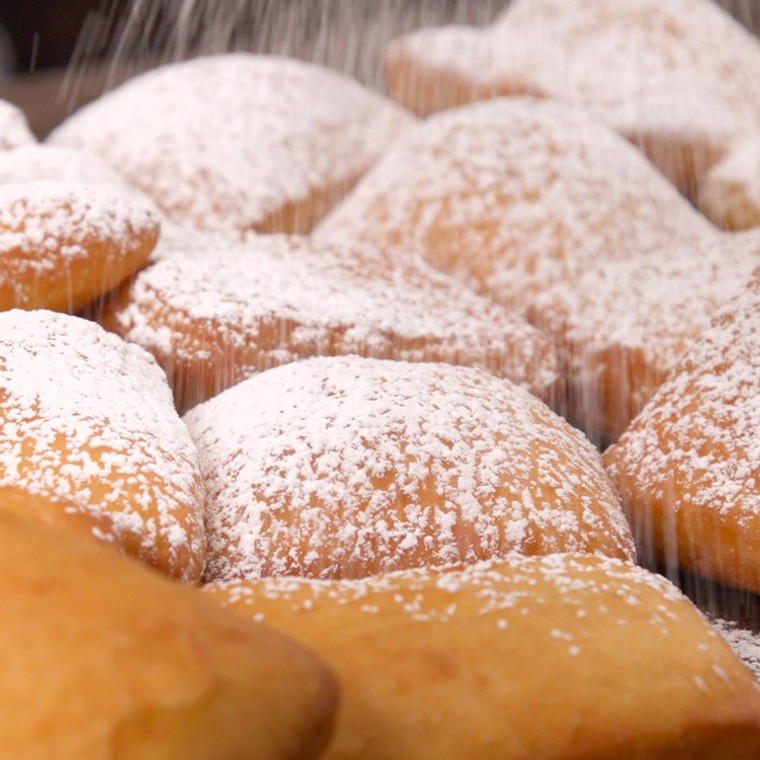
(65, 52)
(46, 33)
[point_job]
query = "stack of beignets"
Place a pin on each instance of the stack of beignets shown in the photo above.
(679, 79)
(214, 313)
(688, 468)
(534, 657)
(548, 211)
(238, 141)
(88, 419)
(104, 658)
(341, 467)
(370, 461)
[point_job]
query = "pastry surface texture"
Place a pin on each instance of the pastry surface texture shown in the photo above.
(215, 314)
(87, 418)
(238, 141)
(344, 467)
(688, 468)
(551, 657)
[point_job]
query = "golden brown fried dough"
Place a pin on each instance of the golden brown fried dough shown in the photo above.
(514, 195)
(104, 658)
(534, 657)
(63, 244)
(87, 419)
(622, 326)
(343, 467)
(217, 315)
(688, 468)
(239, 141)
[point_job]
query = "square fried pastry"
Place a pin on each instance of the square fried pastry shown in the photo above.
(514, 195)
(63, 244)
(622, 326)
(89, 432)
(531, 657)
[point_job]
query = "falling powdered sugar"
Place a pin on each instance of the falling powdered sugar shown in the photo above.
(235, 141)
(343, 467)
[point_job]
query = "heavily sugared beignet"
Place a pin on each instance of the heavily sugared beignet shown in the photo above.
(622, 326)
(730, 192)
(216, 316)
(342, 467)
(87, 418)
(534, 657)
(688, 468)
(14, 130)
(239, 141)
(62, 244)
(515, 195)
(676, 78)
(105, 659)
(31, 163)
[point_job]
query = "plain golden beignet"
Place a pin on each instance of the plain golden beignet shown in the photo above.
(62, 244)
(87, 419)
(688, 468)
(514, 195)
(677, 78)
(214, 316)
(104, 658)
(533, 657)
(239, 141)
(343, 467)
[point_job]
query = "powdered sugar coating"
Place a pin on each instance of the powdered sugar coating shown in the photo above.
(63, 243)
(514, 195)
(232, 141)
(621, 326)
(690, 462)
(745, 642)
(682, 73)
(500, 589)
(88, 418)
(14, 130)
(343, 466)
(31, 163)
(730, 192)
(219, 313)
